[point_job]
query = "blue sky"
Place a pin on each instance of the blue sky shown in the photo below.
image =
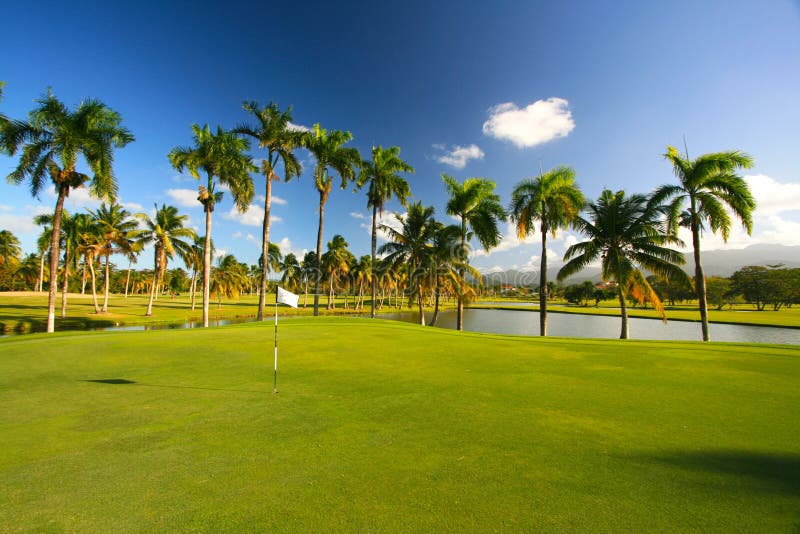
(468, 88)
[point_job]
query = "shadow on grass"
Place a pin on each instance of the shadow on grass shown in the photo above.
(760, 471)
(124, 381)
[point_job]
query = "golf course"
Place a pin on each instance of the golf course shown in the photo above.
(387, 426)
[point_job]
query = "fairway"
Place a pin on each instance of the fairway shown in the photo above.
(385, 426)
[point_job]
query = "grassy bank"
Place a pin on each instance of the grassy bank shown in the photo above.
(383, 426)
(27, 311)
(739, 314)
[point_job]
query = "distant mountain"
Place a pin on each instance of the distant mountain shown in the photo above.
(722, 262)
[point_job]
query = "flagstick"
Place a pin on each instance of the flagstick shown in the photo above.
(275, 379)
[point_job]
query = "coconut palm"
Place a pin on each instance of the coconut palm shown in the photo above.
(10, 251)
(443, 260)
(228, 278)
(275, 132)
(626, 234)
(90, 245)
(118, 230)
(74, 231)
(194, 261)
(553, 199)
(166, 231)
(336, 263)
(52, 141)
(310, 270)
(292, 272)
(132, 254)
(43, 244)
(274, 259)
(330, 154)
(411, 244)
(219, 156)
(384, 182)
(479, 210)
(28, 270)
(710, 186)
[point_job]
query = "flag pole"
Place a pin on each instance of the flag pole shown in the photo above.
(275, 378)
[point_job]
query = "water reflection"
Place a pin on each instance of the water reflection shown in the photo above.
(573, 325)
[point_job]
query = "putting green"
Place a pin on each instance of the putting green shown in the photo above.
(384, 426)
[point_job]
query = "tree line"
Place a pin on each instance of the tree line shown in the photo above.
(628, 234)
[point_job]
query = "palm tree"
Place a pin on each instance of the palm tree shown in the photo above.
(554, 200)
(89, 245)
(43, 244)
(411, 245)
(626, 234)
(384, 182)
(310, 269)
(52, 141)
(74, 231)
(118, 231)
(443, 261)
(478, 207)
(327, 148)
(28, 270)
(274, 259)
(167, 232)
(362, 273)
(132, 254)
(228, 278)
(194, 261)
(275, 132)
(10, 251)
(708, 184)
(222, 156)
(292, 272)
(336, 263)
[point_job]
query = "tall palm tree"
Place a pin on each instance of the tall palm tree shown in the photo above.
(27, 271)
(336, 263)
(274, 131)
(443, 260)
(382, 175)
(219, 156)
(274, 259)
(194, 261)
(709, 184)
(169, 235)
(74, 232)
(411, 245)
(553, 199)
(478, 207)
(52, 141)
(327, 148)
(10, 250)
(118, 230)
(43, 244)
(132, 254)
(292, 273)
(89, 245)
(626, 234)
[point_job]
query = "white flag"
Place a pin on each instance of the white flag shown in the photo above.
(288, 298)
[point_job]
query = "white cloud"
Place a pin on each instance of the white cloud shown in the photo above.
(184, 198)
(535, 124)
(773, 197)
(132, 206)
(285, 244)
(357, 215)
(254, 216)
(458, 156)
(387, 219)
(236, 235)
(17, 224)
(251, 237)
(297, 127)
(278, 200)
(219, 253)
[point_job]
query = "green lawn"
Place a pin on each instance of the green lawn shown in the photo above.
(27, 311)
(385, 426)
(740, 314)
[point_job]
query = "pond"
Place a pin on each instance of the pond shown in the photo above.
(526, 323)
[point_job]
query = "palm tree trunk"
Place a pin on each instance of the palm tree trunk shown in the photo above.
(436, 302)
(700, 281)
(319, 251)
(94, 288)
(153, 286)
(623, 311)
(460, 308)
(65, 286)
(194, 286)
(54, 243)
(543, 289)
(331, 304)
(128, 278)
(105, 298)
(83, 278)
(207, 266)
(419, 303)
(305, 296)
(262, 294)
(40, 280)
(374, 249)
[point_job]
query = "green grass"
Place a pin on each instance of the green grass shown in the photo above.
(27, 311)
(740, 314)
(384, 426)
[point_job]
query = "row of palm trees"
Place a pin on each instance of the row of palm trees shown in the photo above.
(53, 138)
